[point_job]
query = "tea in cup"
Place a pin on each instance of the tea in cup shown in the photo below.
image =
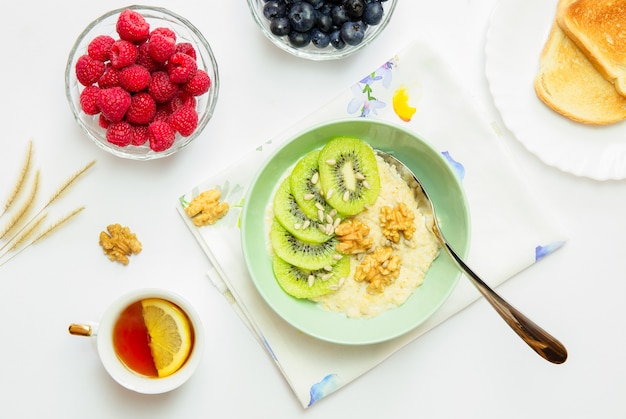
(149, 340)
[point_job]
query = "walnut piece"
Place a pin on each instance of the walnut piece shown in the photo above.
(394, 220)
(352, 237)
(206, 208)
(379, 268)
(119, 243)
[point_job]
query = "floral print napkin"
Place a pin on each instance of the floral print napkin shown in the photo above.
(510, 229)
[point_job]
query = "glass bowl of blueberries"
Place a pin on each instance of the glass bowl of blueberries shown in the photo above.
(322, 29)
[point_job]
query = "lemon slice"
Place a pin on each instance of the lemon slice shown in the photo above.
(170, 334)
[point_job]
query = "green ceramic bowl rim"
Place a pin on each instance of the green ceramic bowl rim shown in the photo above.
(307, 316)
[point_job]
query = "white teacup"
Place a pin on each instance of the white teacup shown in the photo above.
(128, 378)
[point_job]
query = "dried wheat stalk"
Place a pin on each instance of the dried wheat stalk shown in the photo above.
(20, 180)
(45, 233)
(24, 209)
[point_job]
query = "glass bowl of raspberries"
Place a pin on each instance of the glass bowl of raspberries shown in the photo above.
(322, 29)
(142, 82)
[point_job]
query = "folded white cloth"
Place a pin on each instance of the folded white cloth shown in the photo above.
(510, 230)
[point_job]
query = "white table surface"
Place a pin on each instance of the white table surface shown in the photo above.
(472, 366)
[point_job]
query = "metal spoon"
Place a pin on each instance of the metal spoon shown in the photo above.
(538, 339)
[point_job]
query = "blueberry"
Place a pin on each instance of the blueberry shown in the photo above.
(336, 40)
(353, 32)
(274, 8)
(317, 4)
(354, 8)
(326, 8)
(324, 23)
(339, 15)
(299, 39)
(319, 38)
(302, 16)
(280, 26)
(373, 13)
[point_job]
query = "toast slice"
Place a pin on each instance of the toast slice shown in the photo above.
(598, 27)
(568, 83)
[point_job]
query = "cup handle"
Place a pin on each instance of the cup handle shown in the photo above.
(83, 329)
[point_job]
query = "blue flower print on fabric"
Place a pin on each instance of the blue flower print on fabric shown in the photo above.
(364, 102)
(543, 251)
(329, 384)
(456, 166)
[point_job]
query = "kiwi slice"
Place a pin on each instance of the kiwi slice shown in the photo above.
(348, 174)
(305, 255)
(304, 283)
(305, 186)
(290, 216)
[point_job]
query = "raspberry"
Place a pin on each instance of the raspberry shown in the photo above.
(144, 59)
(88, 70)
(165, 32)
(163, 112)
(180, 100)
(113, 103)
(99, 47)
(110, 78)
(142, 109)
(131, 26)
(134, 78)
(161, 87)
(186, 48)
(199, 83)
(160, 135)
(103, 122)
(181, 67)
(161, 47)
(140, 135)
(184, 120)
(123, 53)
(119, 133)
(88, 98)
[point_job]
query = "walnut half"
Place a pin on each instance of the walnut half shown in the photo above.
(119, 243)
(394, 220)
(352, 237)
(379, 268)
(206, 208)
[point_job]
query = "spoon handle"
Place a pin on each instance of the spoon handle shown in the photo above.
(546, 345)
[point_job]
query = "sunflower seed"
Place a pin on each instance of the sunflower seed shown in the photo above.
(311, 280)
(319, 206)
(331, 162)
(346, 196)
(308, 196)
(366, 184)
(329, 193)
(359, 176)
(297, 226)
(315, 178)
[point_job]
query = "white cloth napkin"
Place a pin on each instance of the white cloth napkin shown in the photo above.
(509, 229)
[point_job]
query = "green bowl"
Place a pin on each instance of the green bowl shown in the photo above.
(442, 185)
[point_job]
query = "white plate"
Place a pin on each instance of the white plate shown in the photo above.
(517, 32)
